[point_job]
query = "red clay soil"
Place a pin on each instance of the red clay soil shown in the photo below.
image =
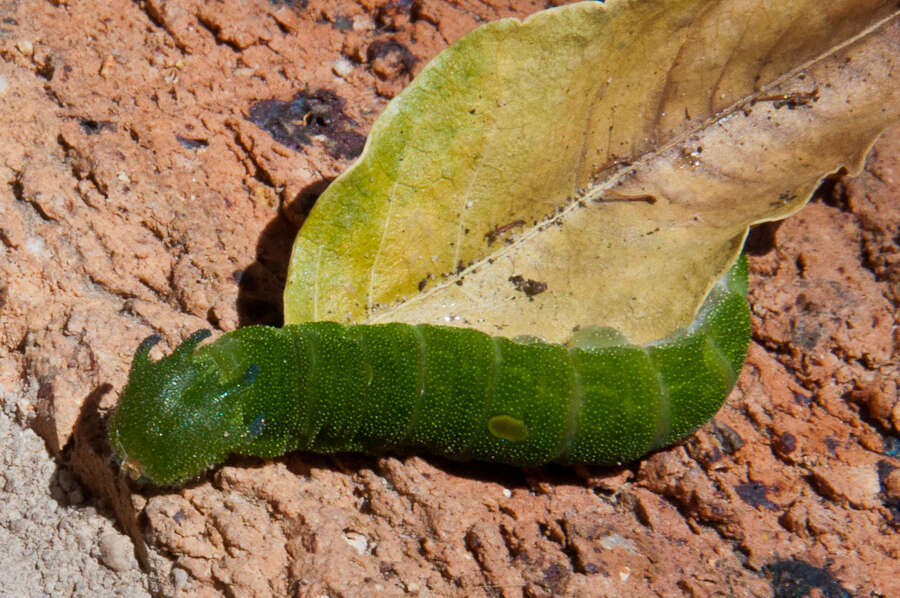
(155, 178)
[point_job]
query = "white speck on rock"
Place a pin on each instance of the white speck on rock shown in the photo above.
(616, 541)
(37, 247)
(358, 541)
(342, 67)
(363, 23)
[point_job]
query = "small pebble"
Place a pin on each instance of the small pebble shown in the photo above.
(116, 551)
(342, 67)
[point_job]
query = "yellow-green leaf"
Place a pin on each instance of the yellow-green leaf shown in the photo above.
(594, 164)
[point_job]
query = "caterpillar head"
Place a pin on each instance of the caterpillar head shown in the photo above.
(175, 417)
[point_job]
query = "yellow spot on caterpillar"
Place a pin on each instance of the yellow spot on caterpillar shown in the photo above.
(508, 428)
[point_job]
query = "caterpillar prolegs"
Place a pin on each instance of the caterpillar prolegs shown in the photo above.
(457, 392)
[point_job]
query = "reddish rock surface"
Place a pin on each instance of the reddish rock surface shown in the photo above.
(145, 192)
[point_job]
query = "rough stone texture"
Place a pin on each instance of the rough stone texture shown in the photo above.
(140, 196)
(51, 531)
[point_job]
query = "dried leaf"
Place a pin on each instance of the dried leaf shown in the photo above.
(595, 164)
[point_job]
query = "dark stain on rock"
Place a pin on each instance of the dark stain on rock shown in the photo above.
(796, 579)
(806, 335)
(191, 144)
(727, 436)
(885, 468)
(755, 494)
(95, 127)
(343, 23)
(308, 114)
(891, 446)
(45, 390)
(784, 444)
(390, 59)
(298, 4)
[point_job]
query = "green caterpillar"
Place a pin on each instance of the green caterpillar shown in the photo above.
(457, 392)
